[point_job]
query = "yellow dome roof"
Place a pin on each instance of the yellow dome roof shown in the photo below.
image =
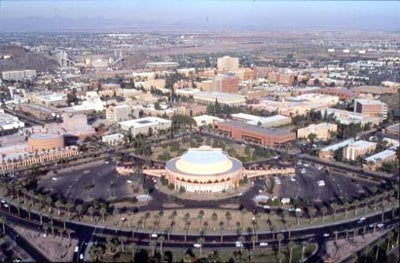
(204, 161)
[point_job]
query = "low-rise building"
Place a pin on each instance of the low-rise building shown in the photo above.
(255, 134)
(267, 122)
(327, 153)
(19, 75)
(371, 108)
(9, 123)
(226, 83)
(40, 142)
(375, 161)
(113, 139)
(205, 120)
(393, 130)
(145, 126)
(358, 149)
(38, 111)
(347, 117)
(322, 131)
(221, 97)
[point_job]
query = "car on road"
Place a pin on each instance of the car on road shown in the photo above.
(380, 225)
(5, 205)
(321, 183)
(154, 235)
(292, 179)
(81, 256)
(326, 235)
(263, 244)
(76, 249)
(3, 201)
(266, 207)
(197, 245)
(238, 244)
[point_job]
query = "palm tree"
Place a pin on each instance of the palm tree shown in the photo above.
(152, 245)
(122, 240)
(146, 216)
(79, 209)
(243, 212)
(68, 205)
(214, 218)
(378, 246)
(221, 229)
(383, 212)
(103, 212)
(281, 257)
(346, 207)
(390, 236)
(28, 210)
(201, 241)
(298, 214)
(324, 210)
(312, 212)
(228, 217)
(91, 212)
(356, 203)
(280, 237)
(133, 247)
(367, 250)
(200, 216)
(161, 240)
(291, 245)
(3, 222)
(49, 200)
(303, 249)
(58, 205)
(254, 240)
(241, 239)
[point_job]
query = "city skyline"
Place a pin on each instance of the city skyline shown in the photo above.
(123, 15)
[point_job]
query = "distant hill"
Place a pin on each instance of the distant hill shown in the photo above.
(23, 59)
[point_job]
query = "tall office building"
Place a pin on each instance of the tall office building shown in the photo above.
(227, 63)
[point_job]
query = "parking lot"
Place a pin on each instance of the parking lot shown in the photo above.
(314, 184)
(97, 180)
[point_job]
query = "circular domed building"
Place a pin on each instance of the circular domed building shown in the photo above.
(204, 169)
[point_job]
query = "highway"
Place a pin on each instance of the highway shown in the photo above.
(86, 232)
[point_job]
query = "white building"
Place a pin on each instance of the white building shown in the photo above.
(19, 75)
(221, 97)
(357, 149)
(118, 113)
(146, 126)
(9, 122)
(205, 120)
(228, 63)
(113, 139)
(268, 122)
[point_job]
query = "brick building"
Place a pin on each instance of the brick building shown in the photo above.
(254, 134)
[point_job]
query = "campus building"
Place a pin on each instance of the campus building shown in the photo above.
(358, 149)
(228, 63)
(205, 170)
(254, 134)
(145, 126)
(222, 98)
(371, 108)
(322, 131)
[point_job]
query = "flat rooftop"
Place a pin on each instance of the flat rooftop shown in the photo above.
(256, 129)
(144, 122)
(217, 95)
(381, 155)
(336, 146)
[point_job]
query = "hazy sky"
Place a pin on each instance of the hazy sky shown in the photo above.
(365, 15)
